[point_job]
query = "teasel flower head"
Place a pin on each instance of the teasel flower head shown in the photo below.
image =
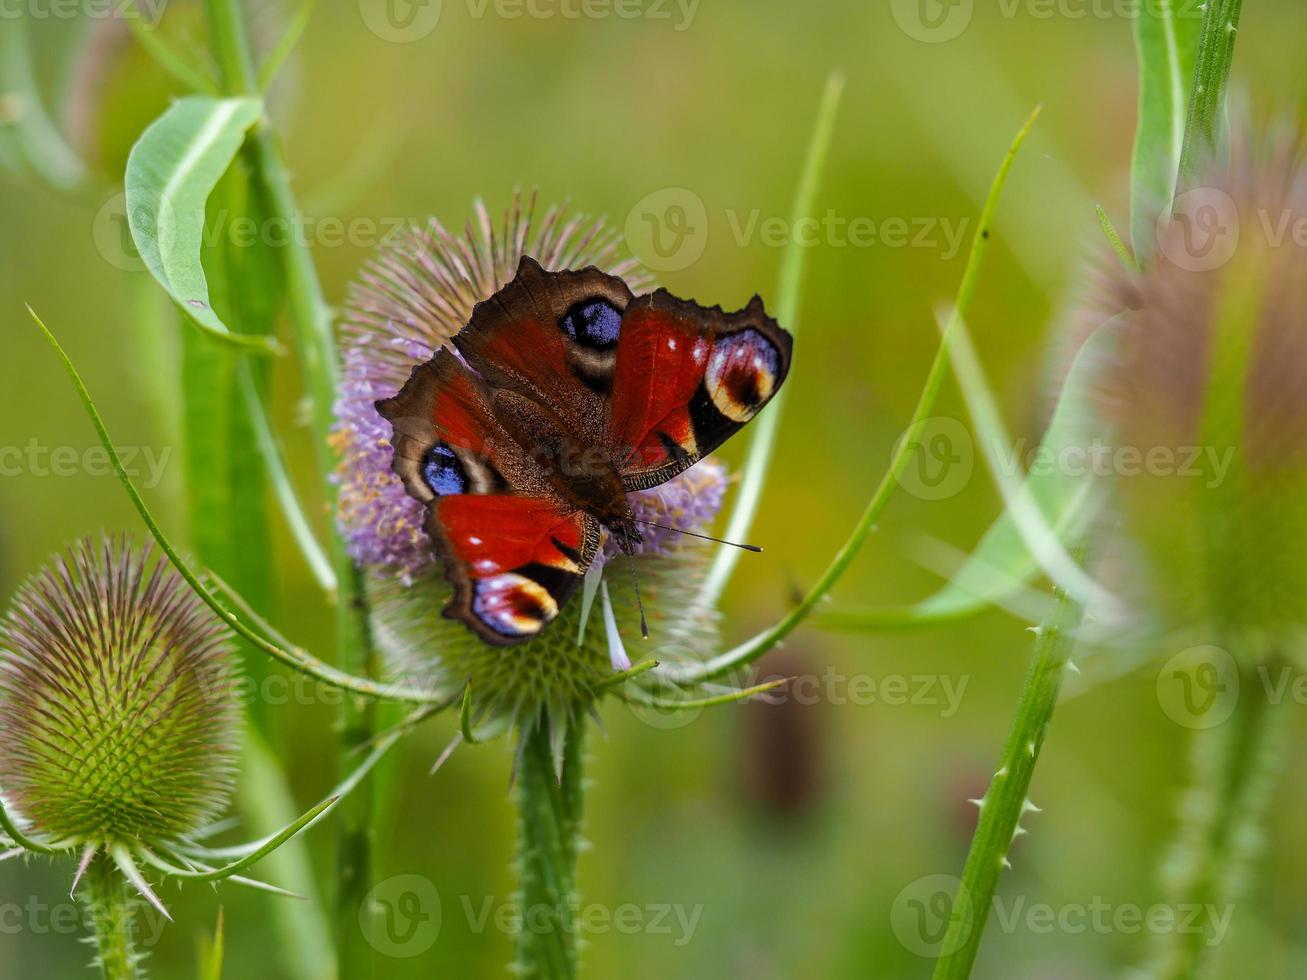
(120, 726)
(118, 709)
(1206, 390)
(408, 301)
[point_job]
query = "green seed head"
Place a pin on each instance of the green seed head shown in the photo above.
(118, 710)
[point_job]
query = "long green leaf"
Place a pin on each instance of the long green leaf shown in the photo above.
(171, 172)
(1166, 39)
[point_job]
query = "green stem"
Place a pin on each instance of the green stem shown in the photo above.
(1205, 127)
(111, 907)
(316, 351)
(1006, 800)
(1231, 766)
(549, 839)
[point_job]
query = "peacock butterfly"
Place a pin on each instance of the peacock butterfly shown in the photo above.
(563, 393)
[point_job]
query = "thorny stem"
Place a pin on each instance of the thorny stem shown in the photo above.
(1006, 800)
(316, 351)
(112, 916)
(1232, 764)
(549, 808)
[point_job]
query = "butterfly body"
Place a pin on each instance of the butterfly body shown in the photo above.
(563, 394)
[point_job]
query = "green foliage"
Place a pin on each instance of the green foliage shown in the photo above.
(171, 173)
(1166, 42)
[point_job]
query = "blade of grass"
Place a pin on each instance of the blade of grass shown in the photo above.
(794, 265)
(292, 510)
(286, 44)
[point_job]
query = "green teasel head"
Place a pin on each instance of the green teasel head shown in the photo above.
(119, 715)
(1207, 393)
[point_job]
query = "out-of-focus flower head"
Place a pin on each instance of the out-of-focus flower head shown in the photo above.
(1207, 393)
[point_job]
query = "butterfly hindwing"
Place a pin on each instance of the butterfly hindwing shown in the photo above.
(687, 377)
(512, 549)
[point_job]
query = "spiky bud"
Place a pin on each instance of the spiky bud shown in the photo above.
(118, 708)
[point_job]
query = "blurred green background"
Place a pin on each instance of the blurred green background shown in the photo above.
(786, 833)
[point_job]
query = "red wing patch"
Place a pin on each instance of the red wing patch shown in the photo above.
(687, 378)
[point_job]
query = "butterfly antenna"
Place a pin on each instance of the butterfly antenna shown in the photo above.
(629, 548)
(696, 534)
